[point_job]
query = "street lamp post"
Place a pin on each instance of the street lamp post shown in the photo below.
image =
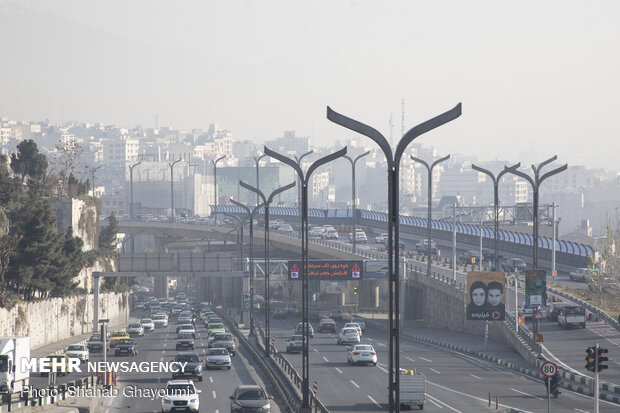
(250, 213)
(353, 196)
(535, 183)
(215, 186)
(305, 179)
(171, 165)
(496, 181)
(393, 164)
(430, 205)
(131, 213)
(240, 222)
(298, 160)
(266, 202)
(257, 161)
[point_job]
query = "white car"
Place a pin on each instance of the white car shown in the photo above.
(77, 351)
(180, 393)
(354, 325)
(362, 353)
(147, 324)
(360, 236)
(160, 320)
(218, 358)
(188, 330)
(359, 321)
(135, 329)
(348, 335)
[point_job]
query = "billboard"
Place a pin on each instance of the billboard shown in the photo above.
(535, 288)
(376, 270)
(329, 270)
(486, 291)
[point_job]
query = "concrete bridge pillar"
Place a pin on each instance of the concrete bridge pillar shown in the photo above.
(161, 287)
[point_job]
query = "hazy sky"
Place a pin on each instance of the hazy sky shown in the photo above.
(536, 78)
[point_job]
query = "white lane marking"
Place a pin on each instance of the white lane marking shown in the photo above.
(382, 369)
(210, 379)
(315, 350)
(409, 358)
(214, 395)
(217, 411)
(438, 372)
(166, 343)
(374, 401)
(526, 394)
(440, 402)
(381, 344)
(325, 358)
(475, 377)
(600, 335)
(582, 411)
(161, 359)
(338, 370)
(354, 383)
(422, 358)
(435, 403)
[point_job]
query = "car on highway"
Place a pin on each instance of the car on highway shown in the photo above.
(95, 344)
(294, 343)
(516, 265)
(193, 368)
(554, 308)
(470, 257)
(160, 320)
(184, 341)
(526, 312)
(135, 329)
(216, 328)
(573, 316)
(126, 346)
(286, 228)
(218, 358)
(360, 321)
(362, 354)
(250, 398)
(300, 329)
(348, 335)
(293, 308)
(381, 239)
(186, 329)
(330, 234)
(147, 324)
(354, 325)
(336, 314)
(327, 325)
(422, 247)
(213, 319)
(78, 351)
(223, 340)
(360, 236)
(117, 336)
(580, 275)
(180, 395)
(315, 233)
(279, 313)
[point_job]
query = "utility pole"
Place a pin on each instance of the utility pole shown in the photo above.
(171, 165)
(214, 162)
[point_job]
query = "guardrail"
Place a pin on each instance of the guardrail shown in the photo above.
(46, 396)
(603, 315)
(287, 368)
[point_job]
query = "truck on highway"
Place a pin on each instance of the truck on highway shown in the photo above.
(14, 354)
(573, 316)
(412, 389)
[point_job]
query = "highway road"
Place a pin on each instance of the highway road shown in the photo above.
(455, 382)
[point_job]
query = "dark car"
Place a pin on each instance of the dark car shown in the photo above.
(279, 313)
(514, 265)
(327, 325)
(422, 247)
(401, 245)
(185, 341)
(250, 398)
(95, 344)
(470, 257)
(193, 368)
(126, 346)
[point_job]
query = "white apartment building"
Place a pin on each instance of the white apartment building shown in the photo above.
(117, 151)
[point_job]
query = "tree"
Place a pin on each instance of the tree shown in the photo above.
(9, 186)
(28, 161)
(605, 265)
(108, 235)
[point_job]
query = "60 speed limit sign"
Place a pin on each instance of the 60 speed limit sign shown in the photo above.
(549, 369)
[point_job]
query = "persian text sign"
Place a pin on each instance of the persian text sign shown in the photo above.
(329, 270)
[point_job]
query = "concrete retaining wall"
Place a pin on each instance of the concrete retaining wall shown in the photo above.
(55, 319)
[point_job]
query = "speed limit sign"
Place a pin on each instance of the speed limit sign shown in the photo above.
(549, 369)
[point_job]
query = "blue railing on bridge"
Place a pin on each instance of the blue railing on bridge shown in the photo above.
(442, 229)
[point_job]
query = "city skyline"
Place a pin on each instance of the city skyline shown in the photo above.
(532, 84)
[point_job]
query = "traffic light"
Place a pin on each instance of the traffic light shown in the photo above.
(356, 290)
(591, 359)
(601, 358)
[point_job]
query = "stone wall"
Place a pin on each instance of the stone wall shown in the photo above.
(54, 319)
